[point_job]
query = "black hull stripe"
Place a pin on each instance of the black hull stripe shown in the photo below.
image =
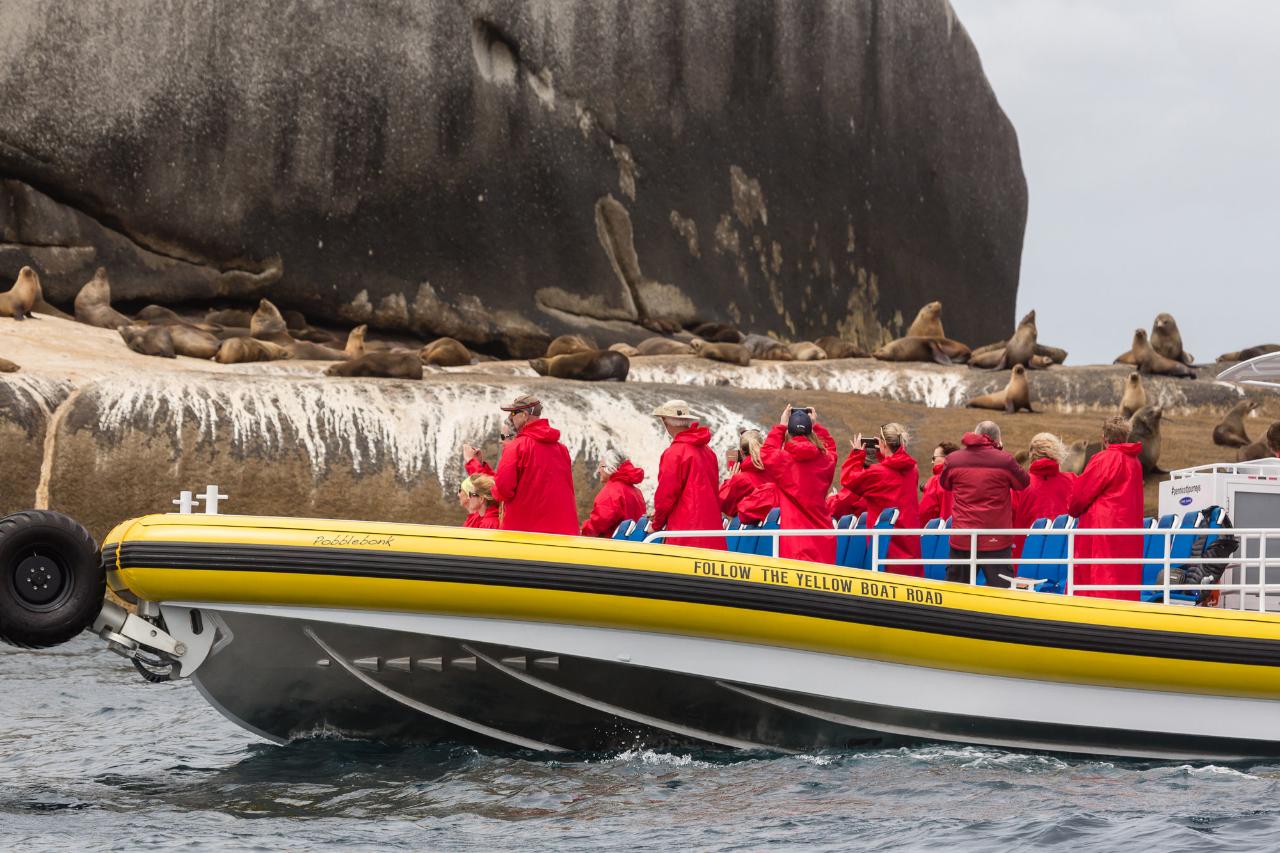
(877, 612)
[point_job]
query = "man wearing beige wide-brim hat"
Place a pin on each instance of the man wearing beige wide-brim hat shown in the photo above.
(688, 475)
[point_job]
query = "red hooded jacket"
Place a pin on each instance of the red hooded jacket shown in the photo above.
(1048, 496)
(487, 520)
(980, 477)
(748, 494)
(936, 501)
(617, 501)
(803, 473)
(1109, 494)
(891, 483)
(686, 497)
(535, 482)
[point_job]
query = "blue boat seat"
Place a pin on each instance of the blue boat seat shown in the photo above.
(1033, 549)
(624, 529)
(764, 544)
(851, 551)
(1180, 545)
(637, 533)
(1055, 547)
(741, 544)
(935, 546)
(887, 521)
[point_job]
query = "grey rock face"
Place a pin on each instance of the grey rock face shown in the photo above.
(502, 171)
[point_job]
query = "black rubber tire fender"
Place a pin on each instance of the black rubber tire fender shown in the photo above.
(52, 581)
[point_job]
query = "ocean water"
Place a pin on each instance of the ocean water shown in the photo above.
(92, 758)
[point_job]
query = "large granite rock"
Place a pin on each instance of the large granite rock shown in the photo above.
(502, 171)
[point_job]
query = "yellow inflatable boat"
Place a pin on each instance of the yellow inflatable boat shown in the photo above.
(296, 627)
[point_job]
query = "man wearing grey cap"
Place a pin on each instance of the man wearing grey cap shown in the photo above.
(687, 497)
(534, 479)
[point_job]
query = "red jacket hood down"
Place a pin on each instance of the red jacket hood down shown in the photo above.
(617, 501)
(534, 481)
(688, 480)
(981, 477)
(936, 501)
(749, 494)
(1048, 496)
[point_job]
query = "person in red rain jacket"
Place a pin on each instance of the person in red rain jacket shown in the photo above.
(747, 492)
(982, 478)
(688, 472)
(1049, 494)
(936, 501)
(534, 480)
(618, 499)
(482, 509)
(892, 482)
(1109, 494)
(800, 456)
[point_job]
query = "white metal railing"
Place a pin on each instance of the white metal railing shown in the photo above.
(1262, 535)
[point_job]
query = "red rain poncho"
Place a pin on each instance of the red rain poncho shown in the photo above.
(749, 494)
(535, 482)
(936, 501)
(617, 501)
(487, 520)
(686, 497)
(1109, 494)
(1048, 496)
(803, 474)
(892, 482)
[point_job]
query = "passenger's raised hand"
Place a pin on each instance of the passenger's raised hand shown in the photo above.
(470, 452)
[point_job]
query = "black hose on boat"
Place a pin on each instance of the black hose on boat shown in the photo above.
(151, 675)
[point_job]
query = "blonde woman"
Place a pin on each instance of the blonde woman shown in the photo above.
(1049, 494)
(747, 492)
(892, 482)
(482, 509)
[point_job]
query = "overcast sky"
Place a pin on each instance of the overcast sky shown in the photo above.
(1150, 137)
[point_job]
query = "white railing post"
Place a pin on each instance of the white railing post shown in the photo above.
(1168, 563)
(973, 559)
(1262, 573)
(1071, 562)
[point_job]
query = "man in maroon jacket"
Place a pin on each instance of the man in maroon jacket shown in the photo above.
(982, 478)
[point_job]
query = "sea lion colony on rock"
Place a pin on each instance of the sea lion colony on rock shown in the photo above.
(1230, 431)
(594, 366)
(1135, 395)
(18, 300)
(1015, 397)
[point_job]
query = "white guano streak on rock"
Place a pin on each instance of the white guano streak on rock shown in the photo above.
(416, 428)
(41, 392)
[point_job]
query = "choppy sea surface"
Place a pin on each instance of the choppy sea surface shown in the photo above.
(92, 758)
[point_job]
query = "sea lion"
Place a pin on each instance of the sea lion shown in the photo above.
(928, 322)
(840, 348)
(307, 351)
(718, 333)
(1266, 448)
(767, 348)
(18, 300)
(1041, 362)
(1054, 354)
(148, 340)
(1015, 396)
(1231, 432)
(445, 352)
(663, 346)
(939, 350)
(807, 351)
(728, 353)
(7, 366)
(1079, 454)
(1165, 340)
(224, 333)
(238, 317)
(192, 342)
(566, 344)
(989, 359)
(267, 324)
(1022, 346)
(393, 364)
(93, 303)
(300, 330)
(1135, 395)
(355, 342)
(626, 349)
(1144, 427)
(1250, 352)
(1150, 361)
(158, 315)
(245, 350)
(594, 366)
